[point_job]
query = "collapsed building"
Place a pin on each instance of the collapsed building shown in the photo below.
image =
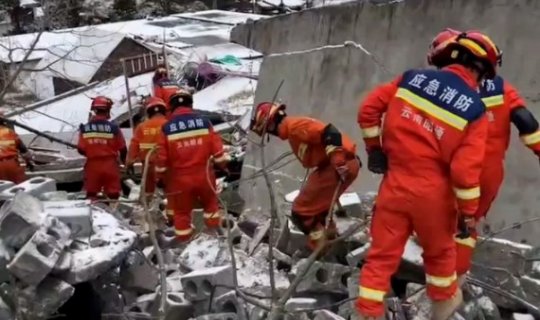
(56, 245)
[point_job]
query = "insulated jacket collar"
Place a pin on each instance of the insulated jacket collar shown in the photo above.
(463, 73)
(182, 110)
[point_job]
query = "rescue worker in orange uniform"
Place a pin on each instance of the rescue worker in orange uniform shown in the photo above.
(164, 88)
(504, 106)
(102, 143)
(188, 148)
(431, 153)
(145, 138)
(320, 146)
(10, 148)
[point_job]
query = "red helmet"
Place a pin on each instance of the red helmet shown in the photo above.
(101, 103)
(439, 40)
(155, 104)
(264, 114)
(474, 43)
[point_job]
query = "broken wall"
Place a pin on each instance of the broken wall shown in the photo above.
(330, 83)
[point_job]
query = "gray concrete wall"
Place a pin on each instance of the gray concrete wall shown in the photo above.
(330, 83)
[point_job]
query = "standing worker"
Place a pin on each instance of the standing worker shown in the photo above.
(432, 150)
(164, 88)
(145, 138)
(504, 106)
(320, 146)
(187, 146)
(102, 142)
(10, 148)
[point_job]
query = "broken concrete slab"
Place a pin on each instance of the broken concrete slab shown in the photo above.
(531, 289)
(326, 315)
(283, 260)
(41, 302)
(76, 214)
(89, 262)
(139, 275)
(34, 186)
(522, 316)
(5, 311)
(228, 303)
(260, 234)
(54, 196)
(20, 218)
(4, 184)
(202, 252)
(36, 258)
(218, 316)
(63, 264)
(201, 284)
(300, 304)
(330, 277)
(504, 254)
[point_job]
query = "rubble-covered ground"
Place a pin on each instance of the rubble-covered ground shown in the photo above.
(55, 246)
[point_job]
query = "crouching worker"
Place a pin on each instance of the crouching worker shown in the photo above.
(188, 148)
(102, 142)
(10, 148)
(145, 138)
(322, 147)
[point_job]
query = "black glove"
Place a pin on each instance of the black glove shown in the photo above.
(377, 161)
(160, 184)
(130, 170)
(30, 165)
(466, 224)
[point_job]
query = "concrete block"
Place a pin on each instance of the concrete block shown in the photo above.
(322, 276)
(178, 308)
(199, 285)
(350, 201)
(356, 256)
(283, 260)
(41, 302)
(218, 316)
(63, 264)
(228, 303)
(290, 239)
(5, 311)
(34, 186)
(37, 257)
(245, 240)
(54, 196)
(504, 254)
(139, 275)
(326, 315)
(256, 313)
(229, 222)
(367, 202)
(143, 303)
(59, 230)
(522, 316)
(299, 304)
(488, 308)
(531, 289)
(76, 214)
(260, 234)
(4, 184)
(20, 218)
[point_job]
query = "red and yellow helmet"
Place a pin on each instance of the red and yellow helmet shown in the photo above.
(101, 103)
(155, 104)
(264, 113)
(440, 41)
(475, 43)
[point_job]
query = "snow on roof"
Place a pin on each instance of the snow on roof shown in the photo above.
(221, 16)
(220, 50)
(277, 3)
(230, 95)
(66, 114)
(200, 28)
(80, 59)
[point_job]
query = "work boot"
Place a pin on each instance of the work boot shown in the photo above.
(443, 310)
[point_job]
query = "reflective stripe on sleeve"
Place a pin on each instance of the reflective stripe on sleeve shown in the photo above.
(441, 282)
(467, 194)
(493, 101)
(183, 232)
(371, 132)
(530, 139)
(371, 294)
(467, 242)
(160, 169)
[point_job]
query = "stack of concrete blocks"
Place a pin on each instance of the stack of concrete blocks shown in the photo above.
(38, 241)
(34, 186)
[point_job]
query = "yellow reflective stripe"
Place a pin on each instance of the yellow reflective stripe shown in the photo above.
(467, 194)
(371, 132)
(467, 242)
(211, 215)
(314, 235)
(98, 135)
(441, 282)
(170, 212)
(432, 109)
(160, 169)
(371, 294)
(183, 232)
(7, 142)
(493, 101)
(532, 138)
(146, 145)
(330, 149)
(188, 134)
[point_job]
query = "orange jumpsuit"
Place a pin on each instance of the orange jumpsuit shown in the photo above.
(434, 135)
(10, 145)
(500, 98)
(313, 203)
(186, 144)
(145, 138)
(164, 89)
(102, 142)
